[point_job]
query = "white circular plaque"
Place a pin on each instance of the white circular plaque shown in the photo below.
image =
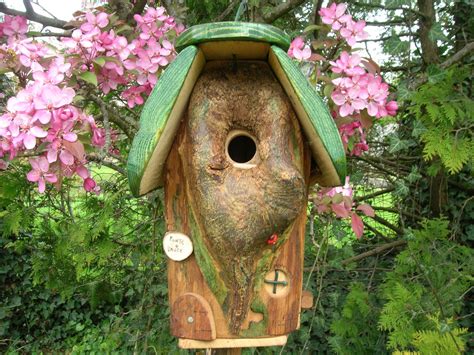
(177, 246)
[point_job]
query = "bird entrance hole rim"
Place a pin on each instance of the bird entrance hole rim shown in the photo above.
(241, 149)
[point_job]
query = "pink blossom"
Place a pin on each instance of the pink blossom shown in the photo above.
(5, 120)
(299, 50)
(357, 86)
(14, 27)
(82, 171)
(58, 147)
(40, 173)
(98, 137)
(353, 32)
(133, 95)
(77, 40)
(91, 186)
(303, 54)
(348, 103)
(23, 101)
(353, 131)
(31, 52)
(24, 132)
(391, 108)
(95, 21)
(359, 148)
(377, 92)
(334, 15)
(55, 73)
(348, 64)
(51, 97)
(121, 47)
(66, 113)
(42, 114)
(346, 189)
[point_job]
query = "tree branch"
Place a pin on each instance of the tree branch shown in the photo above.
(100, 160)
(227, 11)
(399, 212)
(31, 15)
(386, 37)
(281, 10)
(397, 68)
(387, 8)
(456, 57)
(377, 166)
(386, 23)
(375, 194)
(387, 224)
(126, 124)
(28, 6)
(376, 232)
(377, 250)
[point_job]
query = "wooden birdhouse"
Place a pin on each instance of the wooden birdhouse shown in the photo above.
(235, 134)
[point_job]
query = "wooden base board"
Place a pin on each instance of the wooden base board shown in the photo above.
(232, 343)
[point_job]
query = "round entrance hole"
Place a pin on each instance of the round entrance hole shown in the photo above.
(241, 148)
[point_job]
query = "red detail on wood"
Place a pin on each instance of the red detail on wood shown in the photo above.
(272, 240)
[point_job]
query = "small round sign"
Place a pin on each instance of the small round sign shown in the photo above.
(177, 246)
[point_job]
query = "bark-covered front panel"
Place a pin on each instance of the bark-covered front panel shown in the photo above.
(239, 204)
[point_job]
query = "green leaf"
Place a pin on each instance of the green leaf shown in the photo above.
(401, 189)
(89, 77)
(403, 93)
(33, 33)
(100, 61)
(395, 45)
(435, 74)
(414, 174)
(418, 129)
(436, 33)
(397, 144)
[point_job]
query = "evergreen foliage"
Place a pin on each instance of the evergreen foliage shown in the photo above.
(446, 113)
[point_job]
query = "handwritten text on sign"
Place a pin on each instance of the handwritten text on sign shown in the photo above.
(177, 246)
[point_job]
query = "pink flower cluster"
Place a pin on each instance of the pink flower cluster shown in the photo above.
(14, 28)
(335, 15)
(353, 136)
(117, 62)
(299, 50)
(339, 200)
(41, 119)
(357, 90)
(359, 95)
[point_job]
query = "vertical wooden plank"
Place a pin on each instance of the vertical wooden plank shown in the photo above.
(185, 276)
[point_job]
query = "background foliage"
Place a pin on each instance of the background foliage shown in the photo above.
(84, 273)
